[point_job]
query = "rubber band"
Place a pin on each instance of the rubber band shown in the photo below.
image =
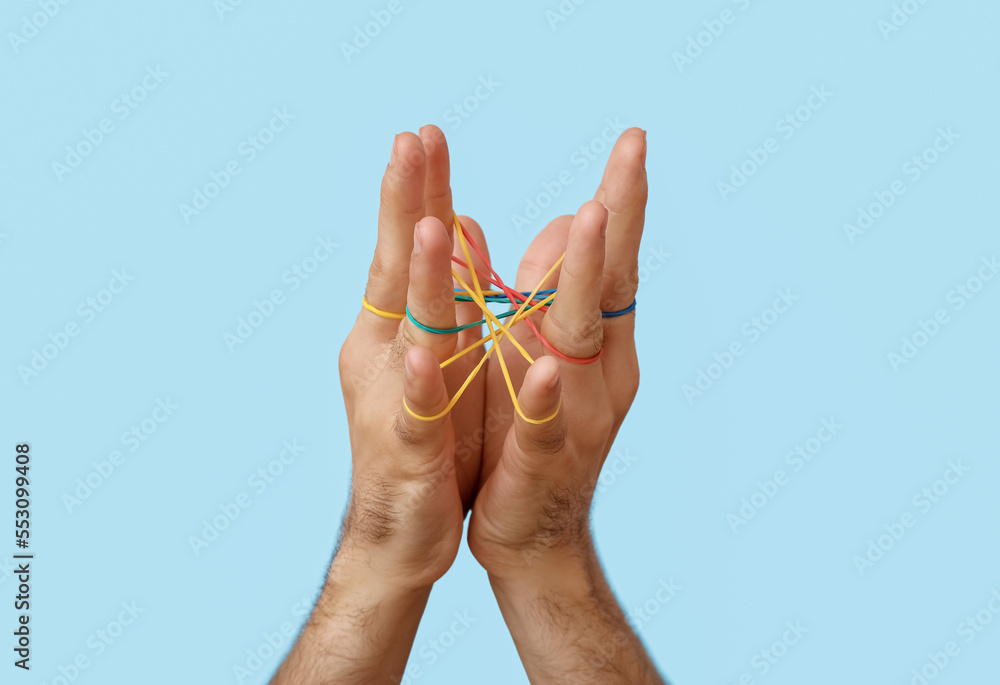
(456, 329)
(621, 312)
(381, 312)
(499, 326)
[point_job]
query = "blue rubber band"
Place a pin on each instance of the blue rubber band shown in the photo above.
(504, 315)
(621, 312)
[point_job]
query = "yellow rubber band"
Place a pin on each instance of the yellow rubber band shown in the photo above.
(375, 310)
(498, 330)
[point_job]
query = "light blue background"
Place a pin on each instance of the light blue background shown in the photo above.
(665, 517)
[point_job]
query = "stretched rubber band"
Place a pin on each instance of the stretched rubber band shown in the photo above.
(499, 326)
(456, 329)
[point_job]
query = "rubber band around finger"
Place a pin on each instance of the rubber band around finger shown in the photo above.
(380, 312)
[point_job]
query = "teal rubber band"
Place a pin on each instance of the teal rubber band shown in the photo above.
(456, 329)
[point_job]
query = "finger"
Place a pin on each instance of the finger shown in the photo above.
(468, 312)
(573, 324)
(424, 394)
(624, 190)
(540, 398)
(437, 186)
(402, 205)
(430, 297)
(543, 252)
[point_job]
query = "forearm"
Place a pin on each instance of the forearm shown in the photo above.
(568, 627)
(360, 631)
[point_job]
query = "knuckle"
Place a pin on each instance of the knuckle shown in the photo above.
(581, 337)
(440, 197)
(384, 269)
(620, 289)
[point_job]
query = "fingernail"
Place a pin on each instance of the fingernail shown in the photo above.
(604, 224)
(416, 238)
(395, 141)
(644, 147)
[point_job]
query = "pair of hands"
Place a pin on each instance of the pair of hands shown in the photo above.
(529, 487)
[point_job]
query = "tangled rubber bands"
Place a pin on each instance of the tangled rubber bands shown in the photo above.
(525, 303)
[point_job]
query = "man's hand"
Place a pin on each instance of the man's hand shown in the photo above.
(409, 493)
(530, 523)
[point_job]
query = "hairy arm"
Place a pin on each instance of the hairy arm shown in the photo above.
(568, 627)
(360, 631)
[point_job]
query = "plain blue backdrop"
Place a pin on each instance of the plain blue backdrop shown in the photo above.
(842, 154)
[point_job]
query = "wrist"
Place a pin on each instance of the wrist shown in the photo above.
(537, 558)
(567, 571)
(368, 579)
(401, 533)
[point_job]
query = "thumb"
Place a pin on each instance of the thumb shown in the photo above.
(540, 399)
(425, 397)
